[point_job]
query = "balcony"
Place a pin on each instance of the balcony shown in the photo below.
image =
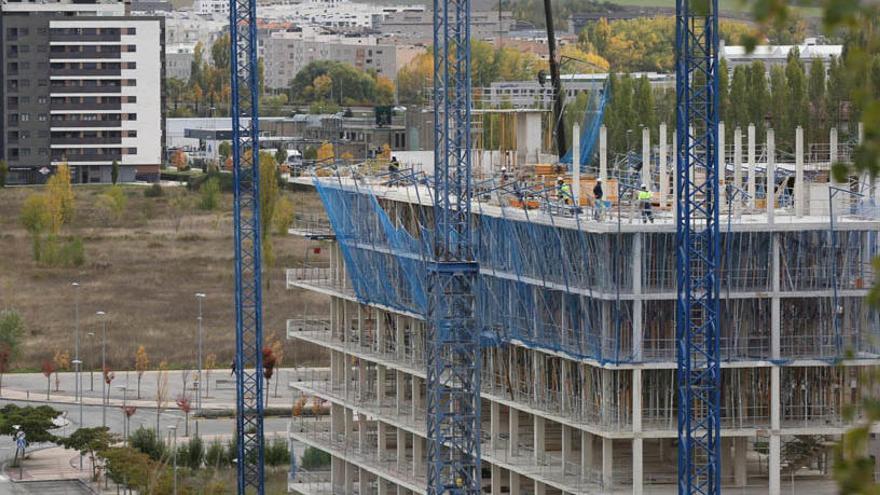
(81, 38)
(108, 89)
(61, 124)
(88, 157)
(85, 54)
(86, 106)
(70, 71)
(87, 140)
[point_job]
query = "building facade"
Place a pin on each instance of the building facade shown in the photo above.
(579, 352)
(417, 25)
(83, 88)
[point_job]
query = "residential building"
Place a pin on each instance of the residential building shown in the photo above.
(529, 94)
(417, 25)
(82, 84)
(812, 49)
(211, 7)
(178, 60)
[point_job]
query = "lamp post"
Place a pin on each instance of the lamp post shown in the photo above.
(173, 429)
(92, 369)
(101, 315)
(76, 387)
(77, 364)
(199, 297)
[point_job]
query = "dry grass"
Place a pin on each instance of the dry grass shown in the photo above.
(143, 270)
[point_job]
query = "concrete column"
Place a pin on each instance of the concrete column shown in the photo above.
(576, 163)
(664, 174)
(346, 375)
(496, 479)
(380, 331)
(418, 456)
(362, 432)
(646, 157)
(775, 303)
(401, 390)
(363, 481)
(337, 420)
(380, 384)
(740, 466)
(770, 180)
(416, 398)
(587, 454)
(494, 424)
(832, 146)
(349, 422)
(337, 473)
(362, 391)
(607, 463)
(361, 327)
(514, 483)
(513, 426)
(539, 439)
(540, 488)
(726, 459)
(566, 447)
(775, 464)
(799, 206)
(603, 153)
(349, 478)
(399, 338)
(737, 157)
(637, 302)
(383, 487)
(751, 161)
(381, 439)
(638, 467)
(401, 449)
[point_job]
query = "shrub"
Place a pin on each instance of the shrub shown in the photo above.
(57, 252)
(277, 453)
(194, 454)
(154, 191)
(314, 459)
(146, 441)
(112, 202)
(216, 456)
(210, 194)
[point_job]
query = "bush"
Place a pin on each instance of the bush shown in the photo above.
(210, 194)
(194, 454)
(57, 252)
(146, 441)
(112, 203)
(314, 459)
(277, 453)
(216, 455)
(154, 191)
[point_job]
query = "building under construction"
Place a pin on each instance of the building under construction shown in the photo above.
(576, 308)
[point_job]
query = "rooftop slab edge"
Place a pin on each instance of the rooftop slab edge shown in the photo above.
(785, 222)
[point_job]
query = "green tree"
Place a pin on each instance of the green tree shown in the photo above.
(723, 92)
(209, 194)
(11, 335)
(4, 172)
(797, 107)
(269, 192)
(280, 154)
(114, 172)
(130, 468)
(225, 150)
(757, 97)
(778, 101)
(196, 76)
(220, 54)
(643, 104)
(89, 442)
(313, 459)
(146, 441)
(818, 101)
(738, 112)
(36, 219)
(36, 422)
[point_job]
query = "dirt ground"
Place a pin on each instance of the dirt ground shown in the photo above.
(143, 270)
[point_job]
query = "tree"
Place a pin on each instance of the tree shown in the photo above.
(818, 102)
(280, 155)
(797, 106)
(723, 91)
(108, 377)
(36, 422)
(62, 363)
(185, 405)
(128, 467)
(5, 358)
(322, 86)
(209, 194)
(148, 442)
(284, 213)
(738, 112)
(141, 365)
(384, 90)
(325, 152)
(225, 150)
(11, 332)
(268, 368)
(161, 391)
(114, 172)
(179, 160)
(778, 100)
(4, 171)
(313, 459)
(89, 442)
(269, 193)
(47, 368)
(278, 353)
(60, 198)
(758, 95)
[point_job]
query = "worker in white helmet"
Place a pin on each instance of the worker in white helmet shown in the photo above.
(645, 199)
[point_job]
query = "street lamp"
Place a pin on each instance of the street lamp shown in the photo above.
(173, 429)
(199, 297)
(91, 370)
(101, 315)
(77, 364)
(76, 387)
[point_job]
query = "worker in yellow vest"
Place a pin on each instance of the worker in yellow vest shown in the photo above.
(563, 191)
(645, 200)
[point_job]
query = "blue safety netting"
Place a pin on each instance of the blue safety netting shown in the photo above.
(593, 117)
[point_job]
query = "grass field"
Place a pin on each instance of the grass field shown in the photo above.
(143, 270)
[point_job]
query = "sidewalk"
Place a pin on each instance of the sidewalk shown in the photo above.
(221, 391)
(50, 464)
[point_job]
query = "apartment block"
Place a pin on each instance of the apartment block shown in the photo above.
(82, 85)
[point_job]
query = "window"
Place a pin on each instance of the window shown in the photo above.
(131, 31)
(41, 48)
(131, 99)
(12, 136)
(24, 49)
(42, 117)
(42, 82)
(132, 116)
(42, 100)
(130, 65)
(131, 151)
(131, 134)
(24, 117)
(43, 152)
(25, 152)
(13, 119)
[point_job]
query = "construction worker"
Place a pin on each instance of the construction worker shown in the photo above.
(598, 204)
(645, 199)
(563, 191)
(504, 175)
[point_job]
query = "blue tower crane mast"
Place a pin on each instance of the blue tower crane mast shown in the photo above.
(453, 344)
(697, 247)
(246, 216)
